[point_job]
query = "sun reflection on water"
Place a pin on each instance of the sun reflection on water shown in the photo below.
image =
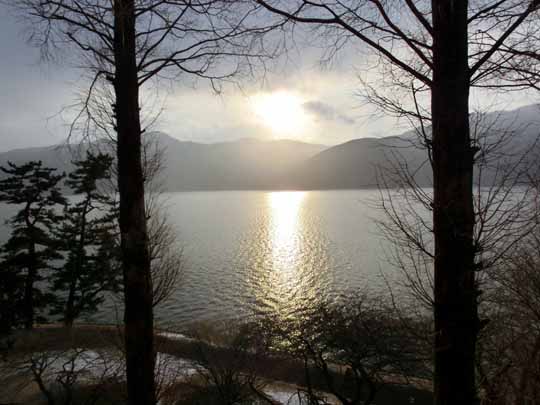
(285, 232)
(285, 229)
(286, 256)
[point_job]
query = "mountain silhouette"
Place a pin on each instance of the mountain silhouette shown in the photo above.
(286, 164)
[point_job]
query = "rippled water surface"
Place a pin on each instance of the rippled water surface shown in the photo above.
(248, 252)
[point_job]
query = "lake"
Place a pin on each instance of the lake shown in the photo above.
(249, 252)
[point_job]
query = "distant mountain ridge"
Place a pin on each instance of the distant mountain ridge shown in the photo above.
(288, 164)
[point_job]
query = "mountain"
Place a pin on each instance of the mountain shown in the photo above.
(58, 156)
(242, 164)
(359, 164)
(286, 164)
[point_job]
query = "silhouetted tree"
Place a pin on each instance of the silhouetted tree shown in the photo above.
(88, 235)
(349, 348)
(166, 256)
(229, 366)
(10, 310)
(508, 360)
(31, 247)
(443, 48)
(125, 44)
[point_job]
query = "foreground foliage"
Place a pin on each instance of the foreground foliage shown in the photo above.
(31, 248)
(88, 234)
(62, 255)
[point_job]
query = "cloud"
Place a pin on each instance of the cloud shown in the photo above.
(326, 112)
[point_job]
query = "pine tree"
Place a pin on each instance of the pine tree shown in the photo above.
(88, 234)
(31, 249)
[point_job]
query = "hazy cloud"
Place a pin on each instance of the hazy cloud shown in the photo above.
(32, 93)
(327, 112)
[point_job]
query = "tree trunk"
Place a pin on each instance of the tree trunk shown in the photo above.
(29, 304)
(29, 291)
(138, 316)
(69, 313)
(456, 316)
(76, 270)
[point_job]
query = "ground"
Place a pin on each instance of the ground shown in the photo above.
(89, 358)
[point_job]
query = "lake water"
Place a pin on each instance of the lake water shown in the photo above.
(249, 252)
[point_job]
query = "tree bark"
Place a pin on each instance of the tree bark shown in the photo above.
(29, 312)
(138, 315)
(70, 313)
(456, 315)
(28, 300)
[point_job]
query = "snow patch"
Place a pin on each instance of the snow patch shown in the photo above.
(175, 336)
(94, 365)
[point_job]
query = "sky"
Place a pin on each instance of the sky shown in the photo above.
(298, 99)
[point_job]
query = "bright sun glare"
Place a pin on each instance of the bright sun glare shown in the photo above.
(285, 207)
(281, 112)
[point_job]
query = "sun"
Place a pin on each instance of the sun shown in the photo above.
(280, 111)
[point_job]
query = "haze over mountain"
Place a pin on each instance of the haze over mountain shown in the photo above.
(286, 164)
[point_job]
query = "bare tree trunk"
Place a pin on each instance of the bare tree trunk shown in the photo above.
(456, 316)
(138, 316)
